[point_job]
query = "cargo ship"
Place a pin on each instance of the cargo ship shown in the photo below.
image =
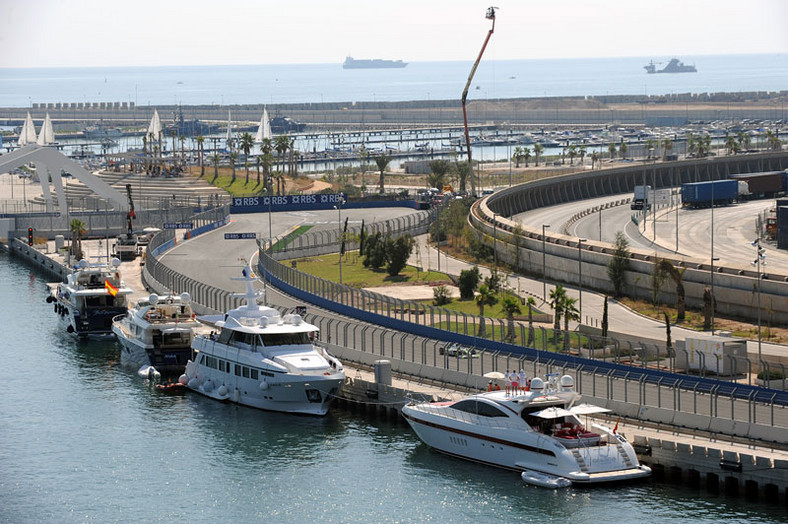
(674, 66)
(375, 63)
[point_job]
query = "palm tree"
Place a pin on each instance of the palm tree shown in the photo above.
(773, 141)
(200, 154)
(538, 150)
(182, 140)
(266, 146)
(511, 306)
(382, 160)
(692, 144)
(572, 153)
(531, 302)
(526, 155)
(622, 149)
(247, 143)
(581, 150)
(77, 229)
(744, 140)
(258, 161)
(215, 165)
(485, 297)
(667, 147)
(570, 313)
(650, 145)
(594, 159)
(281, 145)
(363, 156)
(439, 169)
(233, 158)
(611, 150)
(557, 300)
(463, 172)
(517, 156)
(291, 155)
(731, 145)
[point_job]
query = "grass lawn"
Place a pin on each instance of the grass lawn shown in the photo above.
(495, 311)
(354, 273)
(548, 342)
(282, 243)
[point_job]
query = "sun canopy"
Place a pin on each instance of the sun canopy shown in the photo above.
(587, 409)
(553, 412)
(494, 374)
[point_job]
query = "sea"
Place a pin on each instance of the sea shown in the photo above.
(313, 83)
(85, 440)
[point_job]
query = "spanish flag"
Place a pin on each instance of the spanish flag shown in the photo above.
(109, 287)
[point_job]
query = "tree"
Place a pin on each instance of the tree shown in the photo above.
(611, 150)
(374, 251)
(397, 253)
(511, 306)
(467, 282)
(677, 276)
(441, 296)
(619, 264)
(572, 153)
(517, 156)
(77, 229)
(581, 151)
(538, 150)
(651, 145)
(439, 169)
(731, 145)
(570, 313)
(281, 146)
(463, 172)
(605, 319)
(201, 154)
(233, 158)
(667, 147)
(382, 160)
(363, 156)
(557, 301)
(266, 147)
(709, 305)
(623, 149)
(215, 166)
(594, 159)
(692, 145)
(668, 342)
(526, 155)
(531, 302)
(485, 297)
(658, 277)
(247, 143)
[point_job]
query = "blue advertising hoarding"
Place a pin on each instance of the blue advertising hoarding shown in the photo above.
(259, 204)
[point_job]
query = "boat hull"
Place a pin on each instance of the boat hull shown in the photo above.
(518, 450)
(287, 393)
(169, 361)
(94, 324)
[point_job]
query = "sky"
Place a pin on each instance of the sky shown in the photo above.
(100, 33)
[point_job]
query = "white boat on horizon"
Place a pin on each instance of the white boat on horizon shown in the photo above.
(537, 432)
(92, 295)
(157, 332)
(262, 359)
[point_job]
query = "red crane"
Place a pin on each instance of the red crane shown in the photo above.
(490, 15)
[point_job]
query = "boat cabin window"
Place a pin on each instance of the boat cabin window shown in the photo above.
(285, 339)
(224, 336)
(478, 408)
(103, 301)
(246, 338)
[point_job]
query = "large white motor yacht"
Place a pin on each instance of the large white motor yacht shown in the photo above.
(157, 333)
(537, 432)
(261, 359)
(92, 295)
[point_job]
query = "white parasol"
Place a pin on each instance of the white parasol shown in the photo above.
(587, 409)
(553, 412)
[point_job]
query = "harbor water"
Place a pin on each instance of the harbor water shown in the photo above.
(83, 439)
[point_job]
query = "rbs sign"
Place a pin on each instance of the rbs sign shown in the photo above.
(260, 204)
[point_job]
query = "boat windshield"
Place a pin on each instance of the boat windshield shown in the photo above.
(104, 301)
(478, 408)
(285, 339)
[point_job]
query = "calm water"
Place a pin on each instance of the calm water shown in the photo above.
(85, 440)
(277, 84)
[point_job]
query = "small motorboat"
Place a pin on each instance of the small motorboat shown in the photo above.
(544, 480)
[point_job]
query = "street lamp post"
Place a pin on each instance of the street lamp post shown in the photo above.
(544, 264)
(580, 276)
(713, 258)
(495, 240)
(338, 207)
(760, 256)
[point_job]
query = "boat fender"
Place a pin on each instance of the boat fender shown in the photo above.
(222, 391)
(207, 386)
(263, 385)
(183, 380)
(50, 299)
(237, 395)
(70, 328)
(56, 306)
(193, 383)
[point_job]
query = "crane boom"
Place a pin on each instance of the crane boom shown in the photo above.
(490, 15)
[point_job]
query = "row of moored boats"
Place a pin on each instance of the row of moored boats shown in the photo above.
(256, 356)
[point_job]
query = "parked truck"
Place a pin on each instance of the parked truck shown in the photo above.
(713, 192)
(641, 198)
(767, 184)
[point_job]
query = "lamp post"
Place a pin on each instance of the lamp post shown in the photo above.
(544, 265)
(495, 240)
(580, 276)
(760, 255)
(270, 229)
(713, 258)
(338, 207)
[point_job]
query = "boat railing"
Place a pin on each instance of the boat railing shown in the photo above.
(472, 418)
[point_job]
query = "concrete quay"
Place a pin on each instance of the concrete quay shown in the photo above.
(702, 459)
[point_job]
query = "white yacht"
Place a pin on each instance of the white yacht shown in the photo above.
(157, 333)
(92, 295)
(261, 359)
(537, 432)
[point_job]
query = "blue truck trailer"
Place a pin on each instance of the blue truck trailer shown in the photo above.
(706, 194)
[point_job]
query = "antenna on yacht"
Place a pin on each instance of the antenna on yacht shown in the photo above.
(251, 294)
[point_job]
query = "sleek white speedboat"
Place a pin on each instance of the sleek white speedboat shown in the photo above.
(537, 432)
(157, 333)
(262, 359)
(91, 296)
